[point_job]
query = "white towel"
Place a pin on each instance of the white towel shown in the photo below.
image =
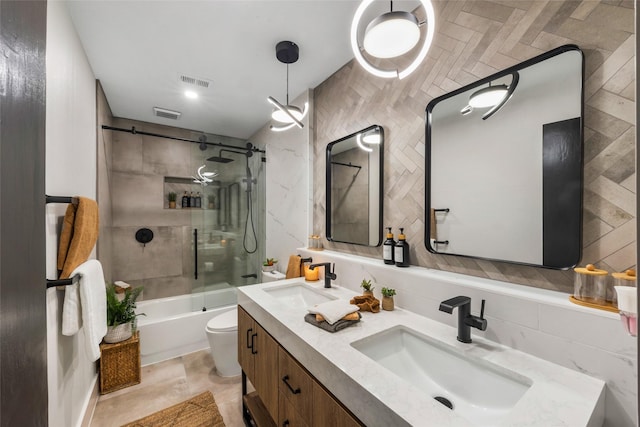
(332, 311)
(87, 300)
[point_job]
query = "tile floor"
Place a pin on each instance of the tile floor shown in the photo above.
(167, 383)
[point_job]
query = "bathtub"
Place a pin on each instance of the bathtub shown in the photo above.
(171, 328)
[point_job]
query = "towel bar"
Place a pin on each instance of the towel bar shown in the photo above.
(76, 278)
(61, 199)
(63, 282)
(305, 259)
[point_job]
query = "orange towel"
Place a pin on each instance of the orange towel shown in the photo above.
(366, 303)
(353, 316)
(294, 269)
(79, 235)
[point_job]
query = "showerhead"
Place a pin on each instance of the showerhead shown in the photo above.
(220, 159)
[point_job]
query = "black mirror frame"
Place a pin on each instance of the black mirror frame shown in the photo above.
(328, 186)
(428, 116)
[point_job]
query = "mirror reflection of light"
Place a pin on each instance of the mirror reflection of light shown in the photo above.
(372, 138)
(203, 177)
(488, 97)
(361, 145)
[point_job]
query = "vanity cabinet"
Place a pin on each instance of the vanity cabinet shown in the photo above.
(258, 357)
(290, 394)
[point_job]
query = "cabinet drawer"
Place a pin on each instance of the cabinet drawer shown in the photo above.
(288, 416)
(295, 384)
(328, 412)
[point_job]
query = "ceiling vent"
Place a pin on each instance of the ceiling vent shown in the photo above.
(167, 114)
(196, 81)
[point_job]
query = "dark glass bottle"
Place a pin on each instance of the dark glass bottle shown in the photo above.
(401, 252)
(192, 201)
(185, 200)
(388, 248)
(198, 200)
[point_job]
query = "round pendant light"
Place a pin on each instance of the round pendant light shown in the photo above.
(282, 117)
(392, 34)
(287, 52)
(406, 25)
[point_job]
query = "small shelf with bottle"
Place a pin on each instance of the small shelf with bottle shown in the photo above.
(189, 195)
(183, 191)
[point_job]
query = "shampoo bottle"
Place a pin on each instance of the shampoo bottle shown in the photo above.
(388, 248)
(185, 200)
(401, 252)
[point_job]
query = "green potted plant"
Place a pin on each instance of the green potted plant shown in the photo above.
(269, 264)
(366, 286)
(387, 299)
(172, 200)
(121, 314)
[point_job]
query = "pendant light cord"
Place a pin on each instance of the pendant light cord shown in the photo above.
(391, 1)
(287, 85)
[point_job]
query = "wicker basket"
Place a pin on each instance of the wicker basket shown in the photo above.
(119, 364)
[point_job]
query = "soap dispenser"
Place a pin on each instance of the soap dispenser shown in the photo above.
(185, 200)
(401, 252)
(388, 248)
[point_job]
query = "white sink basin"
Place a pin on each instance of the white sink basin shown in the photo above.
(477, 390)
(298, 295)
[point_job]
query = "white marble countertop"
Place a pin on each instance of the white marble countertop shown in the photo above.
(557, 397)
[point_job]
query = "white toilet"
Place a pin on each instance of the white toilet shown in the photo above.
(222, 333)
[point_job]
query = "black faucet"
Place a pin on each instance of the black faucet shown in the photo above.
(465, 319)
(328, 275)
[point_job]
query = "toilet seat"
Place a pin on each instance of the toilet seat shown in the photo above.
(226, 322)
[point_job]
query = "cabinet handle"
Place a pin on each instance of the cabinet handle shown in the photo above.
(285, 423)
(248, 337)
(253, 350)
(285, 379)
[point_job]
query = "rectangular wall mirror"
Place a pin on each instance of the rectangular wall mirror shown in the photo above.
(354, 188)
(504, 175)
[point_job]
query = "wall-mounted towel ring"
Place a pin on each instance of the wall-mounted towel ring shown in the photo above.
(144, 236)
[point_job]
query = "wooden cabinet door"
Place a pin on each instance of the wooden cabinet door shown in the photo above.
(266, 370)
(288, 416)
(295, 384)
(246, 331)
(328, 412)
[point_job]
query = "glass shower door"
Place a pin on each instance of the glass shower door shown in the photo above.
(228, 227)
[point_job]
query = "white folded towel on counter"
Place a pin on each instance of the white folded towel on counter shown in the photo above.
(86, 300)
(332, 311)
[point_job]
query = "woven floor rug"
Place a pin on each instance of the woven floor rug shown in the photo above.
(199, 411)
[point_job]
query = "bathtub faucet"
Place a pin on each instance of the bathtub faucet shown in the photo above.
(329, 275)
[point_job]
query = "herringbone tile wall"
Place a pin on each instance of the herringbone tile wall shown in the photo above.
(473, 40)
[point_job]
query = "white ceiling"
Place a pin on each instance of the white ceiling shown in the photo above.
(137, 49)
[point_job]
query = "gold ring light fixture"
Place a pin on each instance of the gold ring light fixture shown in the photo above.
(390, 35)
(287, 115)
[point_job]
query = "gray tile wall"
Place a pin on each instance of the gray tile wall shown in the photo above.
(473, 40)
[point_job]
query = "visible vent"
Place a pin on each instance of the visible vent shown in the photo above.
(203, 83)
(167, 114)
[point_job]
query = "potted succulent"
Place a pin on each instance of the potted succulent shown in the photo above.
(172, 200)
(387, 299)
(366, 286)
(121, 314)
(269, 264)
